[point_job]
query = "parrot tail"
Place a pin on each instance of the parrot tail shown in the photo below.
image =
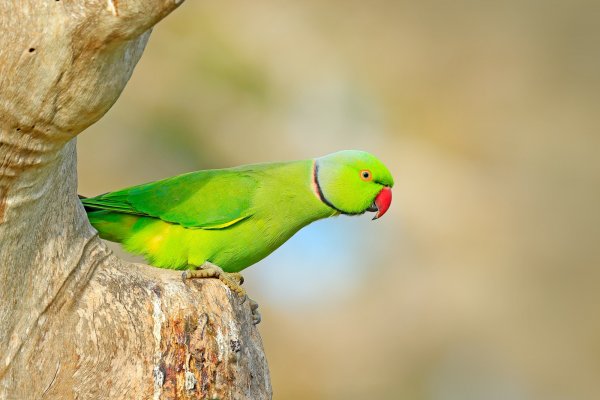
(112, 226)
(86, 208)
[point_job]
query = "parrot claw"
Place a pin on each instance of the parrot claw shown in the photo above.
(208, 270)
(232, 280)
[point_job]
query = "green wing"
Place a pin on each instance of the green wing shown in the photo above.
(212, 199)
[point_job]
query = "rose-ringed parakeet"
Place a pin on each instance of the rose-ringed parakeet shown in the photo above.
(215, 223)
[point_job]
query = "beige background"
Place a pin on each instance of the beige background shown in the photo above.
(482, 281)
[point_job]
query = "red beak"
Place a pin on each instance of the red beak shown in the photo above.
(383, 201)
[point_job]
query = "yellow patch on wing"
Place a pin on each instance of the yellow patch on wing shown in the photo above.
(225, 224)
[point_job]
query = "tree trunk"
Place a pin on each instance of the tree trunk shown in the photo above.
(75, 321)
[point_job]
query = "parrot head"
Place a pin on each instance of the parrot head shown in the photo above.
(353, 182)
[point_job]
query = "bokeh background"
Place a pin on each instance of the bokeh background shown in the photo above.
(483, 280)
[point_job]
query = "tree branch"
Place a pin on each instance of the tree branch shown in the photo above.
(75, 321)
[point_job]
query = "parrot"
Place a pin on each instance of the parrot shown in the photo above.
(215, 223)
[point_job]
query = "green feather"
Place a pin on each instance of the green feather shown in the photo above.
(190, 200)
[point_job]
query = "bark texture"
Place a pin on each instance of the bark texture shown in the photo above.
(75, 321)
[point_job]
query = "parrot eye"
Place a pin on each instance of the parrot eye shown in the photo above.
(365, 175)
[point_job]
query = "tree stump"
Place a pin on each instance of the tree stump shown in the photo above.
(75, 321)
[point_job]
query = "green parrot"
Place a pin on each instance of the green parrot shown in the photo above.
(215, 223)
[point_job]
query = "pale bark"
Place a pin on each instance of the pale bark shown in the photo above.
(75, 321)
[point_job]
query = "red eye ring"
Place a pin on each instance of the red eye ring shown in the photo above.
(366, 175)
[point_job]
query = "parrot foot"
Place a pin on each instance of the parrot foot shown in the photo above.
(232, 280)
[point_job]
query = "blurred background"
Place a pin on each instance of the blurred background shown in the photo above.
(483, 279)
